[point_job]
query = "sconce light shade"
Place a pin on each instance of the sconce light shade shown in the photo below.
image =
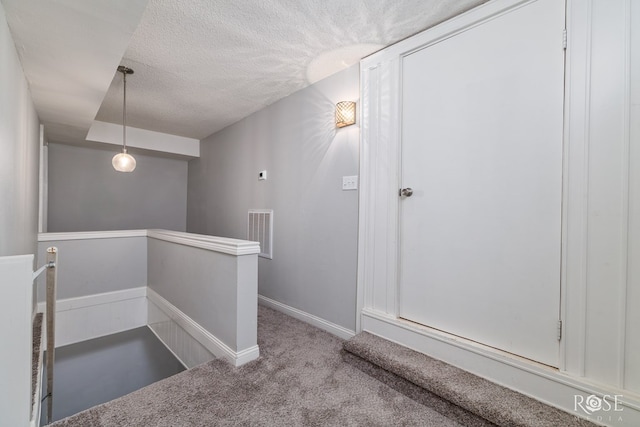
(123, 162)
(345, 113)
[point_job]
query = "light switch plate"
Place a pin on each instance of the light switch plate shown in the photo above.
(349, 182)
(262, 176)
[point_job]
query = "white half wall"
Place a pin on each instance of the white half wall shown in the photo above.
(92, 316)
(197, 293)
(209, 286)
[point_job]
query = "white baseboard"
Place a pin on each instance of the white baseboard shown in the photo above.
(316, 321)
(543, 383)
(93, 316)
(204, 337)
(95, 299)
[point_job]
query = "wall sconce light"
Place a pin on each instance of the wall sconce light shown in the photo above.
(345, 113)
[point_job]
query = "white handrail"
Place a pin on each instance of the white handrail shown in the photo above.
(39, 271)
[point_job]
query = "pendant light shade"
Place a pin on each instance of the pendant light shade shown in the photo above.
(124, 162)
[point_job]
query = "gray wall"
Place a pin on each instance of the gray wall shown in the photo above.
(87, 194)
(315, 222)
(95, 266)
(215, 289)
(19, 153)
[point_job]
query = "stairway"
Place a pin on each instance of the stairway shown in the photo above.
(458, 394)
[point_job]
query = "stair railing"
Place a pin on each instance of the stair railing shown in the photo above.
(51, 289)
(52, 275)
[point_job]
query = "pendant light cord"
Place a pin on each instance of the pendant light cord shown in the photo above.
(124, 113)
(124, 162)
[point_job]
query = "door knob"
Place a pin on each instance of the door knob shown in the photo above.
(406, 192)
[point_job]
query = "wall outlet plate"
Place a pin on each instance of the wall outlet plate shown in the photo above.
(262, 176)
(350, 182)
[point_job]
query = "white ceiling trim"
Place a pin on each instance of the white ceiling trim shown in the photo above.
(110, 133)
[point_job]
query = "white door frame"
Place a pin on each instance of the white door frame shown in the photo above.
(503, 298)
(380, 157)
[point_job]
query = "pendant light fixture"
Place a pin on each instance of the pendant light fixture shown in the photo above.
(124, 162)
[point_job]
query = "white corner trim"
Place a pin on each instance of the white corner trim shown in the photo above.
(213, 243)
(95, 299)
(474, 16)
(204, 337)
(247, 355)
(316, 321)
(89, 235)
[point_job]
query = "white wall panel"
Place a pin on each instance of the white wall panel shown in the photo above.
(379, 183)
(632, 344)
(608, 194)
(16, 277)
(601, 199)
(601, 299)
(87, 317)
(186, 348)
(19, 136)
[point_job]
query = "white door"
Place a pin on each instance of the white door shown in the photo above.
(482, 116)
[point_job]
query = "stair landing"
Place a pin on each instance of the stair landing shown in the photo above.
(479, 401)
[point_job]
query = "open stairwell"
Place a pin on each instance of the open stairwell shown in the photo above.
(465, 397)
(306, 376)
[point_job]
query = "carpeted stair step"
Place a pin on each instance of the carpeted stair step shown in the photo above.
(497, 405)
(417, 393)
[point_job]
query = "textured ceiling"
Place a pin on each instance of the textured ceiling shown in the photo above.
(201, 65)
(68, 50)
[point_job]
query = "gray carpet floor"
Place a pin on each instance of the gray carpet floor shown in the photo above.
(300, 379)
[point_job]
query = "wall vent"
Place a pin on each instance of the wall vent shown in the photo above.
(260, 229)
